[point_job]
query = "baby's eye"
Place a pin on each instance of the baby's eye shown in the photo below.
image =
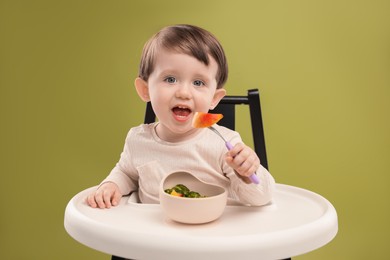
(170, 80)
(199, 83)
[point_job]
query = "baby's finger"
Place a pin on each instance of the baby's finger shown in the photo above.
(241, 158)
(236, 150)
(91, 200)
(116, 197)
(107, 199)
(249, 166)
(229, 160)
(244, 168)
(100, 200)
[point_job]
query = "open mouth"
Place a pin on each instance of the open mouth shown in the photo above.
(181, 112)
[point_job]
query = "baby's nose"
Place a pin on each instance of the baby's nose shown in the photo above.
(183, 91)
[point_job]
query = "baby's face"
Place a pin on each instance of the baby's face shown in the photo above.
(179, 86)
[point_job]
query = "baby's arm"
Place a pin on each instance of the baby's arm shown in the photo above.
(119, 181)
(243, 160)
(105, 196)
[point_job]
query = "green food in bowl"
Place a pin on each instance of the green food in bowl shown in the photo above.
(181, 190)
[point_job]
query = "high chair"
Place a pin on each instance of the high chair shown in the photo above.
(296, 222)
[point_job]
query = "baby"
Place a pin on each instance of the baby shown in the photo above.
(183, 70)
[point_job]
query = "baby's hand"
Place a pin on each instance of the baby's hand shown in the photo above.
(243, 160)
(105, 196)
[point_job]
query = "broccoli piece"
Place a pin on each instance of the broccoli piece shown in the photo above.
(194, 194)
(184, 191)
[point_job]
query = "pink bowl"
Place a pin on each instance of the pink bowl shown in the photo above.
(192, 210)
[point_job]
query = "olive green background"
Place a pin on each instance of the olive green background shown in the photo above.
(67, 102)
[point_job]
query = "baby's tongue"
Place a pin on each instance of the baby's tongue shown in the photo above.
(181, 111)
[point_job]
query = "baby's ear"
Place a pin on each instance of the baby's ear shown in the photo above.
(142, 89)
(218, 95)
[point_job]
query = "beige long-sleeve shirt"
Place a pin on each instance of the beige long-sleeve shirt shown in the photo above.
(146, 159)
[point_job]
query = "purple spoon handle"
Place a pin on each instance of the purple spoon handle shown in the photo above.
(253, 177)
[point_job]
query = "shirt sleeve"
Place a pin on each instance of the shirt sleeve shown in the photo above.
(254, 194)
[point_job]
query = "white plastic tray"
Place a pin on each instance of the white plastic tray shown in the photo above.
(298, 221)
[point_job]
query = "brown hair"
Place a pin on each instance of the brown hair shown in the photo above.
(187, 39)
